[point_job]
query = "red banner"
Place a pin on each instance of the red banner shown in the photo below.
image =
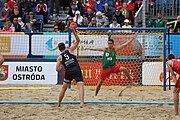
(92, 70)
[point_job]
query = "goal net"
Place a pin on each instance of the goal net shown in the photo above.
(143, 57)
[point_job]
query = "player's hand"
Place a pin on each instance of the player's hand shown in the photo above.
(72, 28)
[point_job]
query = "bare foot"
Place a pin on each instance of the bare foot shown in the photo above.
(81, 105)
(59, 105)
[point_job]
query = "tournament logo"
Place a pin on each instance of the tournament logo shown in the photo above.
(52, 45)
(3, 72)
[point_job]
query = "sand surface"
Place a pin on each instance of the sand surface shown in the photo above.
(89, 112)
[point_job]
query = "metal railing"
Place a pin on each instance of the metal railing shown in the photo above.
(170, 9)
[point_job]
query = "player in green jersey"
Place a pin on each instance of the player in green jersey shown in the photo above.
(109, 61)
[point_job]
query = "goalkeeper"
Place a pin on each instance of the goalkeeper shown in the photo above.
(109, 61)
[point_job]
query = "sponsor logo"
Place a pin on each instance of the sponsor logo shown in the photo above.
(5, 44)
(3, 72)
(51, 44)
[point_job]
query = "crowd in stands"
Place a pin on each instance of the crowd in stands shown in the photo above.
(30, 15)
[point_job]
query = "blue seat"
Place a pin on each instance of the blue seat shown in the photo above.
(40, 18)
(40, 21)
(34, 10)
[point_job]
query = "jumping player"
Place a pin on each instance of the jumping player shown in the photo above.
(72, 69)
(109, 62)
(174, 66)
(1, 59)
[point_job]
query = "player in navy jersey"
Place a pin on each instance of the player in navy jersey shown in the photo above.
(72, 69)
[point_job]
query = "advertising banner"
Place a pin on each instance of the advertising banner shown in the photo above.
(48, 44)
(12, 44)
(152, 74)
(92, 71)
(28, 73)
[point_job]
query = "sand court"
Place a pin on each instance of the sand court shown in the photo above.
(90, 111)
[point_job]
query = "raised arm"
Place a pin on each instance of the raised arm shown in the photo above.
(75, 44)
(126, 43)
(1, 59)
(169, 65)
(58, 63)
(94, 49)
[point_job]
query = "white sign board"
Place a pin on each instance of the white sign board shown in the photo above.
(28, 73)
(152, 74)
(11, 44)
(48, 44)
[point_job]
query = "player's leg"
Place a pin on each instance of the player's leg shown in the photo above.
(176, 99)
(125, 71)
(80, 85)
(98, 86)
(1, 59)
(105, 74)
(61, 95)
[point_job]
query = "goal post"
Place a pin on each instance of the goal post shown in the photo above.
(145, 57)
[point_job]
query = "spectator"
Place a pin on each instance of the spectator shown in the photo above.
(126, 22)
(90, 4)
(131, 8)
(99, 25)
(120, 18)
(138, 3)
(31, 22)
(78, 18)
(6, 28)
(6, 13)
(15, 15)
(100, 18)
(114, 24)
(65, 3)
(108, 12)
(176, 25)
(25, 6)
(16, 26)
(85, 22)
(100, 5)
(69, 20)
(130, 5)
(89, 14)
(92, 23)
(60, 24)
(52, 3)
(159, 22)
(20, 22)
(118, 4)
(79, 6)
(56, 28)
(11, 4)
(148, 21)
(72, 10)
(125, 11)
(41, 9)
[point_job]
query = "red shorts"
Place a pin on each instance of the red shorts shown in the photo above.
(106, 73)
(177, 84)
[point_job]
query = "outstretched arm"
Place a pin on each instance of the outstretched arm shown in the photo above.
(75, 44)
(171, 71)
(58, 63)
(125, 44)
(94, 49)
